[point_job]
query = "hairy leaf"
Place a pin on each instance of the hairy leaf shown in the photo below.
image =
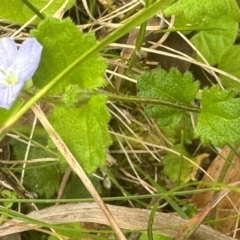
(177, 168)
(221, 15)
(85, 132)
(229, 62)
(18, 12)
(170, 86)
(70, 96)
(212, 43)
(198, 12)
(74, 183)
(42, 178)
(219, 120)
(62, 44)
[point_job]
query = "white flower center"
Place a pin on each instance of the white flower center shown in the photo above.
(8, 77)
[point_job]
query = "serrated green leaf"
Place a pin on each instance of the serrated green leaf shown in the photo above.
(170, 86)
(70, 96)
(229, 62)
(198, 12)
(183, 130)
(76, 189)
(42, 179)
(212, 43)
(19, 148)
(223, 15)
(174, 165)
(85, 132)
(219, 120)
(16, 11)
(8, 195)
(182, 8)
(62, 44)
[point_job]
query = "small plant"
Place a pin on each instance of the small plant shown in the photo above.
(66, 69)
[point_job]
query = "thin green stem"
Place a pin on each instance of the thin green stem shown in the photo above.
(172, 192)
(151, 218)
(85, 96)
(33, 9)
(166, 194)
(139, 41)
(228, 162)
(181, 156)
(133, 99)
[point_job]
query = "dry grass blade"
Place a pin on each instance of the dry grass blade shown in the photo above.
(127, 218)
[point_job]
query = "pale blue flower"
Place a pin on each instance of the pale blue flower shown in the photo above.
(16, 67)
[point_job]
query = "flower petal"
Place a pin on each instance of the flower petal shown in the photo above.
(8, 53)
(9, 94)
(28, 57)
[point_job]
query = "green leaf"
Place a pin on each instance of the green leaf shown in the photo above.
(19, 148)
(183, 130)
(221, 15)
(18, 12)
(219, 120)
(76, 189)
(229, 62)
(62, 44)
(85, 132)
(8, 195)
(177, 168)
(6, 114)
(212, 43)
(198, 12)
(70, 96)
(43, 179)
(170, 86)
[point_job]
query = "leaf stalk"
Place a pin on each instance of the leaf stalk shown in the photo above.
(134, 99)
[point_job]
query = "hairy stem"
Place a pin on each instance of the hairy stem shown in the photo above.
(133, 99)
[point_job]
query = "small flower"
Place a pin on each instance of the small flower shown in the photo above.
(16, 67)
